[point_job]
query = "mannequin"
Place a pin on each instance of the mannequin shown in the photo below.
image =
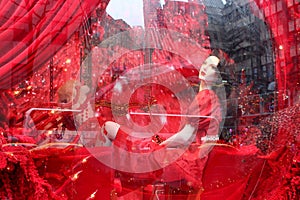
(198, 134)
(206, 102)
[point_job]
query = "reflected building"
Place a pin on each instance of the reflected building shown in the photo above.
(240, 28)
(285, 21)
(234, 28)
(263, 38)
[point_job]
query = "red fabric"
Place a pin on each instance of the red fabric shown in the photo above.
(206, 103)
(74, 173)
(231, 173)
(33, 31)
(230, 192)
(187, 167)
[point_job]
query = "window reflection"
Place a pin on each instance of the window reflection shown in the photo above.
(118, 97)
(129, 11)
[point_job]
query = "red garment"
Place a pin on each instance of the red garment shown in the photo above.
(206, 104)
(188, 167)
(210, 173)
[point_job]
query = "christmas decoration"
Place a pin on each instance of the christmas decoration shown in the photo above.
(48, 117)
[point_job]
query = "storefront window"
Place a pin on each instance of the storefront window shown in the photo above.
(149, 99)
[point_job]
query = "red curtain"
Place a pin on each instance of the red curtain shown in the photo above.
(31, 31)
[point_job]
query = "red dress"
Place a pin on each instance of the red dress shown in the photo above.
(187, 169)
(207, 105)
(206, 172)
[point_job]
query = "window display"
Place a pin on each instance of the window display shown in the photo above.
(149, 99)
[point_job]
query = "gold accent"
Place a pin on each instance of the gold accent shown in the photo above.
(123, 108)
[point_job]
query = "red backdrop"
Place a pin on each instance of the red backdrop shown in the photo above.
(32, 31)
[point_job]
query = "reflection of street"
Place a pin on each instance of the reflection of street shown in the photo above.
(253, 105)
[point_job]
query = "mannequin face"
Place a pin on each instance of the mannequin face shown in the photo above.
(209, 71)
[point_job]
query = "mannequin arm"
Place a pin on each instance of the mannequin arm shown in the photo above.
(181, 138)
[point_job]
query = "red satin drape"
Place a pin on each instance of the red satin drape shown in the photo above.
(31, 31)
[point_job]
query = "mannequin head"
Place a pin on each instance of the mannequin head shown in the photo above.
(209, 73)
(215, 66)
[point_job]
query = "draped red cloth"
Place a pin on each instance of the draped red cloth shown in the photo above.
(32, 31)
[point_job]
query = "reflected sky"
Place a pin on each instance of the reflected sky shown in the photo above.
(131, 11)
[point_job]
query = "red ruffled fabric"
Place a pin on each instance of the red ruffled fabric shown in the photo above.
(33, 31)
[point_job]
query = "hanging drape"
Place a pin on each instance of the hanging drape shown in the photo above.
(31, 31)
